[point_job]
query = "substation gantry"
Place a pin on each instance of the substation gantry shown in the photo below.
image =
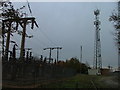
(58, 48)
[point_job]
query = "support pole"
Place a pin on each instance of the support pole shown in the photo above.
(81, 54)
(58, 48)
(3, 36)
(57, 54)
(23, 40)
(14, 52)
(7, 41)
(50, 55)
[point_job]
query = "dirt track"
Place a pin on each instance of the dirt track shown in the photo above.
(110, 81)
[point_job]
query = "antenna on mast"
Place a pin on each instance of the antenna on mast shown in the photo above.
(97, 48)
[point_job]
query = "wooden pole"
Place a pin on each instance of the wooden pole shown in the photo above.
(7, 41)
(23, 40)
(3, 33)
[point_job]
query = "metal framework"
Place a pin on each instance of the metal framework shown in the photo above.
(97, 44)
(58, 48)
(23, 23)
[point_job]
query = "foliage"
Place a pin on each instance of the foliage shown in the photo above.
(75, 64)
(84, 68)
(61, 63)
(115, 18)
(78, 82)
(9, 12)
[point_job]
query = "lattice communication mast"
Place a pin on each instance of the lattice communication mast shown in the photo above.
(97, 64)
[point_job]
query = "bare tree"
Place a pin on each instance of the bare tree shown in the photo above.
(115, 18)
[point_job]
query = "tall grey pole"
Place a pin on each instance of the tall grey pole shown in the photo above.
(81, 54)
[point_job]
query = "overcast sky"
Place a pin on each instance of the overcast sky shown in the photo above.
(70, 25)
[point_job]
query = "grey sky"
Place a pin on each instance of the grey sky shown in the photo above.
(70, 25)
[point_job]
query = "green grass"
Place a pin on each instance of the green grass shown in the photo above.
(78, 81)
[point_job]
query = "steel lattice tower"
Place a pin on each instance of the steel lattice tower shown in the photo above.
(97, 64)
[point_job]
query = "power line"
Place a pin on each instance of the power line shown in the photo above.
(39, 40)
(29, 8)
(48, 38)
(40, 30)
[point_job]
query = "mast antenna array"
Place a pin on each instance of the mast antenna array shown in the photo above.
(97, 64)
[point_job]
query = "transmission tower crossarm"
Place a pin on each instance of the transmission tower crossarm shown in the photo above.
(48, 48)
